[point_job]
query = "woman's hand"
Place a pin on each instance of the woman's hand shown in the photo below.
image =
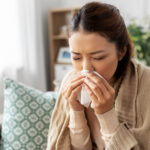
(70, 91)
(101, 93)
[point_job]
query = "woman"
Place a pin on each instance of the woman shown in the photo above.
(119, 120)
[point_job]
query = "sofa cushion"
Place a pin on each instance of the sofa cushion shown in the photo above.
(26, 119)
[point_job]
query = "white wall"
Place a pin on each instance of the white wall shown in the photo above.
(128, 8)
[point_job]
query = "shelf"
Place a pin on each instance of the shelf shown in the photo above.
(59, 21)
(63, 63)
(60, 37)
(61, 10)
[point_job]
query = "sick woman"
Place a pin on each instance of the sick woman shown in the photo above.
(119, 119)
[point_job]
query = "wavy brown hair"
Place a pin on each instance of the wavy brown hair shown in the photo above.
(106, 20)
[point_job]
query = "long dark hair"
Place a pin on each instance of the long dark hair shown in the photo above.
(106, 20)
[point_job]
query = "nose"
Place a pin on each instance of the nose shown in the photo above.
(87, 65)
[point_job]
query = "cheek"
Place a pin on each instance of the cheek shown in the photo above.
(77, 65)
(108, 68)
(112, 67)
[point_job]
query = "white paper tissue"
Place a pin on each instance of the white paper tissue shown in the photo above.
(83, 96)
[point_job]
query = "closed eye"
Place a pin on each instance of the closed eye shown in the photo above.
(99, 58)
(75, 58)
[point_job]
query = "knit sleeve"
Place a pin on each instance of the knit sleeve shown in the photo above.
(109, 124)
(123, 139)
(116, 135)
(79, 131)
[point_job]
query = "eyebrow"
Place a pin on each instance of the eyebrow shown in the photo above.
(92, 53)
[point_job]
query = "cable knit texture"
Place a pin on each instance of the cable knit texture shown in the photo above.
(132, 107)
(105, 125)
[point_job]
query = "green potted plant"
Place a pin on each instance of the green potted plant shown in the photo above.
(141, 39)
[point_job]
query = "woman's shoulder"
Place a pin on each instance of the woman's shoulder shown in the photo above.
(143, 74)
(143, 89)
(142, 69)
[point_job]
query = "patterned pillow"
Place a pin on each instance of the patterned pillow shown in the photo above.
(27, 114)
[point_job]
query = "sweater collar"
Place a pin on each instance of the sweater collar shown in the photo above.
(126, 95)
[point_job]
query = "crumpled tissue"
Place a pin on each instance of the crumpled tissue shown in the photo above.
(83, 96)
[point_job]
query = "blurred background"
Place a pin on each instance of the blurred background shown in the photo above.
(32, 33)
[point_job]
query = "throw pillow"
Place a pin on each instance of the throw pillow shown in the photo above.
(27, 113)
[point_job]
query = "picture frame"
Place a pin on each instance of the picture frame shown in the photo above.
(64, 55)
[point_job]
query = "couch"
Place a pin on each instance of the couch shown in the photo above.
(26, 117)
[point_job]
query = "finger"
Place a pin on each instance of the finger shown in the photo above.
(102, 83)
(95, 78)
(94, 88)
(78, 77)
(104, 90)
(74, 79)
(74, 93)
(73, 86)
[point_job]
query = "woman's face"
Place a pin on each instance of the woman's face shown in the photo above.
(91, 51)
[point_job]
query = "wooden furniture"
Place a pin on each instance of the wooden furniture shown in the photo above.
(59, 20)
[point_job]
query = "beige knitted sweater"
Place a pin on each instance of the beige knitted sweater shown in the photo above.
(132, 105)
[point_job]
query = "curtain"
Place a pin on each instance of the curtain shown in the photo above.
(22, 55)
